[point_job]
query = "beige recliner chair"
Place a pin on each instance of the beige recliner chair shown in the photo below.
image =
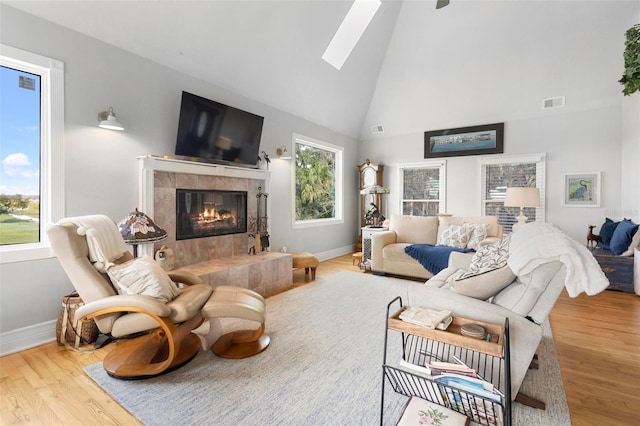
(169, 343)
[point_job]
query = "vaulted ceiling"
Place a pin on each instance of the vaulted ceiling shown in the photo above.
(414, 68)
(269, 51)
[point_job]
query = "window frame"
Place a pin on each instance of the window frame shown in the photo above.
(339, 183)
(540, 160)
(441, 165)
(51, 72)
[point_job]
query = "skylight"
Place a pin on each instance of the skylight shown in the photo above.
(350, 31)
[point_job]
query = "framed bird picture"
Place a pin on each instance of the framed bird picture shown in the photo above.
(582, 189)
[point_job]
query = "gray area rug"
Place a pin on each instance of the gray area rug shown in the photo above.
(323, 367)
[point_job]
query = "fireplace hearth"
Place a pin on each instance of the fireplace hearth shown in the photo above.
(207, 213)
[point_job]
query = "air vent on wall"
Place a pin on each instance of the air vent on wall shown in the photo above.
(553, 102)
(377, 129)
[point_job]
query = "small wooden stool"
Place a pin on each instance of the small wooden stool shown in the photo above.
(356, 258)
(307, 261)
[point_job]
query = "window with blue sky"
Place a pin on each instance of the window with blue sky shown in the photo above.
(20, 156)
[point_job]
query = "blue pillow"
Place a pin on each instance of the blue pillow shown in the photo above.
(622, 237)
(606, 233)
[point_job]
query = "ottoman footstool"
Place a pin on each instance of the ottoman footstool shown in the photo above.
(305, 260)
(238, 302)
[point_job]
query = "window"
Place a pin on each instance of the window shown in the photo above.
(500, 173)
(423, 188)
(318, 183)
(31, 147)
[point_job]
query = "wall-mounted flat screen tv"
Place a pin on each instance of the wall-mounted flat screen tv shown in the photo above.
(213, 132)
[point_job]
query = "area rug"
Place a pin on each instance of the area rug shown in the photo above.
(323, 367)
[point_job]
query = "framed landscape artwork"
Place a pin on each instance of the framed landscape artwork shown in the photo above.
(582, 189)
(475, 140)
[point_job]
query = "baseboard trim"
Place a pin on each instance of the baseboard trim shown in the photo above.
(337, 252)
(27, 337)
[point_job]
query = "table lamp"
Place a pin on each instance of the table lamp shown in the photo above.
(522, 197)
(138, 228)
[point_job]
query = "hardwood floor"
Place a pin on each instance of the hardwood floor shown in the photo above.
(597, 339)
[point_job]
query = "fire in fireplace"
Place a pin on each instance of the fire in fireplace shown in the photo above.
(207, 213)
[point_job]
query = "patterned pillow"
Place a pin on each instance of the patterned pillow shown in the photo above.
(456, 236)
(142, 275)
(478, 234)
(488, 258)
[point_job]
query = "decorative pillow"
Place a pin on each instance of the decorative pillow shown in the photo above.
(143, 276)
(456, 236)
(488, 258)
(635, 242)
(606, 232)
(478, 234)
(622, 237)
(483, 286)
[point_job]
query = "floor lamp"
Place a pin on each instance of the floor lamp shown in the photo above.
(522, 197)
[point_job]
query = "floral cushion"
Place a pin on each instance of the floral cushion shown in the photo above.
(478, 233)
(456, 236)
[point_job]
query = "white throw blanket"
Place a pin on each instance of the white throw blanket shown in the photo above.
(104, 241)
(536, 243)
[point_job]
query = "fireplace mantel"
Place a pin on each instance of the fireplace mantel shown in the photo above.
(149, 165)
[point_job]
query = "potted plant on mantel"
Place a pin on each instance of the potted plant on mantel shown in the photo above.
(631, 76)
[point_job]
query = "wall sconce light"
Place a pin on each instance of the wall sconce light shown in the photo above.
(282, 153)
(108, 120)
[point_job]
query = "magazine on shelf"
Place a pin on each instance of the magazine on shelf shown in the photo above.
(470, 384)
(473, 397)
(437, 368)
(430, 389)
(475, 407)
(421, 412)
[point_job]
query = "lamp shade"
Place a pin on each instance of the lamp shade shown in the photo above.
(138, 228)
(374, 189)
(522, 197)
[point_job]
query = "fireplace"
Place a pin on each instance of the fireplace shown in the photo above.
(207, 213)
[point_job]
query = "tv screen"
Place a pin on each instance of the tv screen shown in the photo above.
(213, 132)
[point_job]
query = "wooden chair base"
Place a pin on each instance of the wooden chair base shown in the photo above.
(140, 358)
(530, 401)
(241, 344)
(163, 350)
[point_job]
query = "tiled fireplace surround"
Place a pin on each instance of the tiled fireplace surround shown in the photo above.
(218, 260)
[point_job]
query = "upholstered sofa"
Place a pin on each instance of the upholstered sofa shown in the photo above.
(388, 254)
(538, 261)
(526, 302)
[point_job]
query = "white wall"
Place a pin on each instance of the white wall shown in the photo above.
(100, 165)
(455, 70)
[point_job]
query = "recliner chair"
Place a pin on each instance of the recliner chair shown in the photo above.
(169, 343)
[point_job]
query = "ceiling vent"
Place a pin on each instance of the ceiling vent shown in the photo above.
(553, 103)
(377, 129)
